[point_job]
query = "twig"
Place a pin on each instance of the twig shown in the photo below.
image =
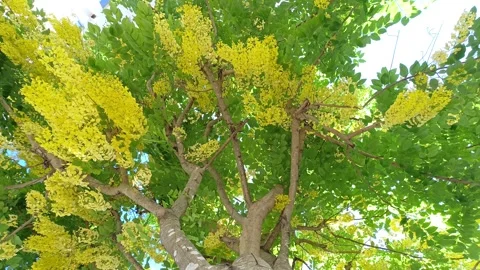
(21, 227)
(30, 183)
(222, 147)
(363, 130)
(319, 105)
(121, 248)
(212, 19)
(224, 196)
(299, 260)
(476, 265)
(324, 247)
(184, 113)
(149, 85)
(342, 136)
(456, 181)
(210, 125)
(373, 246)
(6, 107)
(217, 88)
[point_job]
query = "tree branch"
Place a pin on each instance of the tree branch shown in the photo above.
(222, 147)
(21, 227)
(209, 127)
(212, 19)
(184, 113)
(373, 246)
(299, 260)
(224, 197)
(121, 248)
(324, 247)
(363, 130)
(7, 107)
(30, 183)
(296, 146)
(181, 204)
(217, 88)
(267, 245)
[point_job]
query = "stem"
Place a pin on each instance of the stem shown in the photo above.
(294, 175)
(224, 197)
(217, 88)
(121, 248)
(21, 227)
(30, 183)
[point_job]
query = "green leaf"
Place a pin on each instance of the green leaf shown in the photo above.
(403, 70)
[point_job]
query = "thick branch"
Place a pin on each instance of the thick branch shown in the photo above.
(176, 243)
(273, 235)
(21, 227)
(121, 248)
(181, 204)
(251, 237)
(217, 88)
(224, 197)
(234, 244)
(30, 183)
(292, 191)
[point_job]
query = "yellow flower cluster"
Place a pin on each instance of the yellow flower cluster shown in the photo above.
(20, 50)
(22, 12)
(57, 247)
(70, 107)
(417, 107)
(322, 4)
(73, 121)
(281, 201)
(7, 250)
(212, 243)
(421, 80)
(142, 177)
(167, 38)
(179, 133)
(440, 57)
(36, 203)
(196, 40)
(201, 152)
(71, 36)
(462, 28)
(70, 195)
(257, 70)
(162, 86)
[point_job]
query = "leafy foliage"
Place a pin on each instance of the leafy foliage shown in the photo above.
(245, 123)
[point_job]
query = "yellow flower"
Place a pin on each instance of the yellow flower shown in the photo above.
(417, 107)
(201, 152)
(322, 4)
(281, 201)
